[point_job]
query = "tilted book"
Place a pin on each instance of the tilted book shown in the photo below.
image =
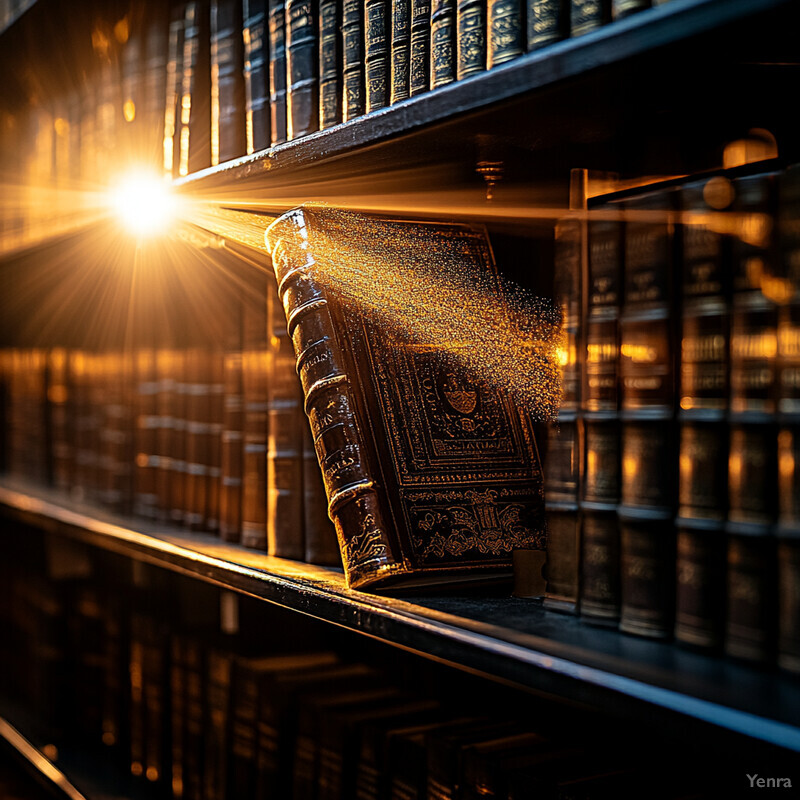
(431, 472)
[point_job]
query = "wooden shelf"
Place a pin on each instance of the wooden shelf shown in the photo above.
(510, 640)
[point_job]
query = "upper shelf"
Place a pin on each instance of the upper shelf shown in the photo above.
(705, 72)
(511, 640)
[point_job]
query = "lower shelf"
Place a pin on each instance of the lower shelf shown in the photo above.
(510, 640)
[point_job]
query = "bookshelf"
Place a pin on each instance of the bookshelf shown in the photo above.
(697, 72)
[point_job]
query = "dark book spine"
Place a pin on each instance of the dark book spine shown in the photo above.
(145, 490)
(285, 438)
(195, 134)
(174, 91)
(400, 50)
(353, 57)
(177, 450)
(703, 403)
(214, 421)
(330, 63)
(255, 34)
(165, 397)
(218, 728)
(231, 467)
(649, 452)
(624, 8)
(177, 710)
(302, 96)
(338, 438)
(244, 707)
(505, 37)
(442, 42)
(376, 55)
(197, 397)
(136, 706)
(155, 82)
(562, 464)
(789, 600)
(58, 402)
(420, 47)
(547, 22)
(254, 376)
(470, 38)
(586, 15)
(277, 71)
(195, 720)
(600, 567)
(227, 82)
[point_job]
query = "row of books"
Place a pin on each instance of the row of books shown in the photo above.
(671, 481)
(208, 438)
(191, 716)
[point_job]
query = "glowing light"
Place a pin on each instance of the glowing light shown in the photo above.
(143, 204)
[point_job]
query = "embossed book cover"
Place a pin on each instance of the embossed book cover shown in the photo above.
(431, 471)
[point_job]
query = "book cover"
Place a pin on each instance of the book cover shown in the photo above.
(547, 22)
(586, 15)
(354, 102)
(443, 42)
(330, 63)
(277, 71)
(470, 38)
(431, 475)
(302, 71)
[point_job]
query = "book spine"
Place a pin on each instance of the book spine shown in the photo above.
(302, 106)
(174, 93)
(155, 81)
(624, 8)
(195, 720)
(505, 35)
(586, 15)
(353, 502)
(285, 438)
(442, 42)
(420, 47)
(470, 38)
(177, 705)
(789, 603)
(703, 402)
(231, 456)
(649, 456)
(753, 431)
(353, 54)
(177, 448)
(165, 395)
(255, 34)
(195, 121)
(321, 545)
(400, 50)
(242, 773)
(227, 82)
(218, 728)
(376, 55)
(214, 421)
(330, 64)
(145, 475)
(277, 71)
(136, 707)
(58, 399)
(254, 375)
(562, 465)
(547, 22)
(197, 397)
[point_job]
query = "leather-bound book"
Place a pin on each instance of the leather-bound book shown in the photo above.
(586, 15)
(649, 452)
(431, 473)
(195, 106)
(197, 439)
(254, 382)
(443, 42)
(319, 534)
(173, 92)
(145, 496)
(354, 101)
(214, 421)
(400, 50)
(624, 8)
(599, 569)
(470, 38)
(505, 37)
(230, 499)
(165, 393)
(285, 421)
(548, 22)
(255, 33)
(703, 403)
(302, 75)
(377, 37)
(420, 47)
(277, 70)
(330, 63)
(227, 82)
(177, 448)
(58, 405)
